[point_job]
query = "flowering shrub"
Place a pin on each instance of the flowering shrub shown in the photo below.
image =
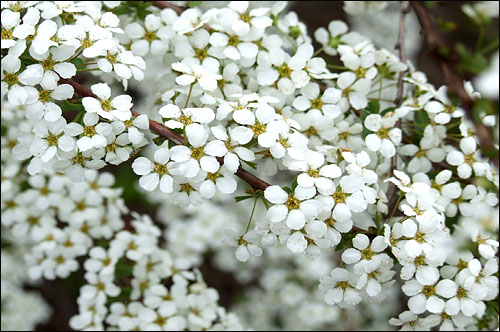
(370, 192)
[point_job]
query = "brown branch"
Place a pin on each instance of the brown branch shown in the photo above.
(400, 46)
(437, 46)
(165, 4)
(171, 135)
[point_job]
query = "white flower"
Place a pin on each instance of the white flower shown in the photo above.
(363, 254)
(111, 109)
(354, 91)
(426, 297)
(44, 107)
(94, 133)
(340, 288)
(467, 159)
(294, 207)
(384, 138)
(246, 244)
(311, 98)
(155, 173)
(196, 73)
(52, 64)
(153, 36)
(186, 117)
(332, 38)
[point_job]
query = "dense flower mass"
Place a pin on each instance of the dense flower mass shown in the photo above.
(378, 190)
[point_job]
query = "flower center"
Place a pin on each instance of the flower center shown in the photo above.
(111, 147)
(469, 159)
(346, 92)
(33, 220)
(78, 159)
(106, 105)
(44, 95)
(292, 203)
(6, 34)
(295, 32)
(160, 320)
(229, 146)
(461, 292)
(421, 153)
(334, 42)
(48, 64)
(462, 265)
(52, 139)
(339, 196)
(233, 40)
(186, 187)
(342, 284)
(150, 36)
(185, 120)
(213, 176)
(428, 290)
(383, 133)
(450, 109)
(11, 79)
(80, 206)
(161, 169)
(317, 103)
(201, 53)
(89, 131)
(60, 259)
(197, 153)
(284, 70)
(259, 128)
(44, 191)
(419, 260)
(111, 58)
(344, 135)
(284, 142)
(311, 131)
(330, 222)
(314, 173)
(86, 42)
(245, 17)
(420, 237)
(360, 72)
(367, 254)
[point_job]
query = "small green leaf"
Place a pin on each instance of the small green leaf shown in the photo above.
(192, 4)
(288, 190)
(242, 198)
(387, 110)
(251, 164)
(295, 183)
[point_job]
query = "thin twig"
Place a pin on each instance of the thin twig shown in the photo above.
(437, 46)
(400, 46)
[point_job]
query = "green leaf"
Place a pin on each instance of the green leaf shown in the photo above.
(66, 106)
(421, 121)
(78, 63)
(295, 183)
(242, 198)
(446, 26)
(192, 4)
(387, 110)
(251, 164)
(378, 221)
(288, 190)
(373, 107)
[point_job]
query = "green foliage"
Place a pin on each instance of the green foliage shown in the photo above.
(192, 4)
(140, 9)
(472, 62)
